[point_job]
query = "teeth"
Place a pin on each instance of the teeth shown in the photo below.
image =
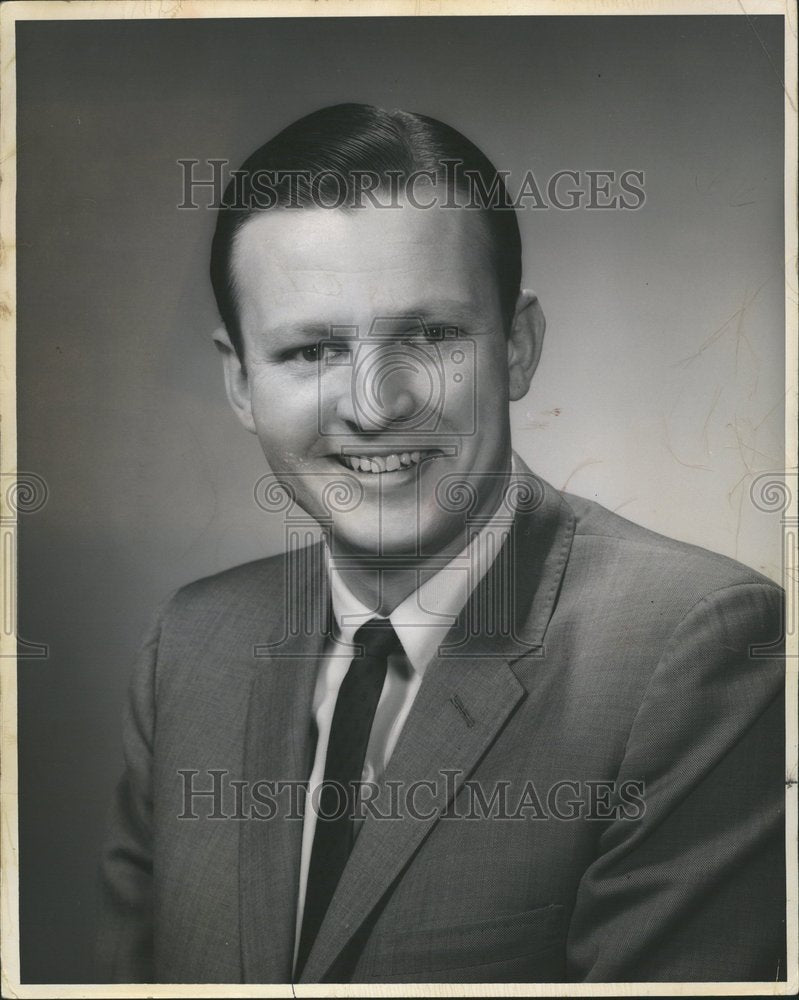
(379, 464)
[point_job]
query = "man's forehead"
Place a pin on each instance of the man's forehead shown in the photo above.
(359, 243)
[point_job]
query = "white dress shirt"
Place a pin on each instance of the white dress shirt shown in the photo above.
(421, 622)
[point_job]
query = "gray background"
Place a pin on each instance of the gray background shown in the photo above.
(660, 392)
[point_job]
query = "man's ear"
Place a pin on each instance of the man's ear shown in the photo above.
(236, 382)
(525, 340)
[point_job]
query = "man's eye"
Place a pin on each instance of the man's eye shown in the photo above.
(310, 352)
(440, 331)
(331, 349)
(430, 332)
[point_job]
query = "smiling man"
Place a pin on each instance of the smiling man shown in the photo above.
(482, 731)
(393, 361)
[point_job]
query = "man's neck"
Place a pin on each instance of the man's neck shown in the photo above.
(380, 584)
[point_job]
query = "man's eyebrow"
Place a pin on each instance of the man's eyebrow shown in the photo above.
(304, 331)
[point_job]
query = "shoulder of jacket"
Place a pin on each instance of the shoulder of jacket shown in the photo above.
(234, 588)
(669, 560)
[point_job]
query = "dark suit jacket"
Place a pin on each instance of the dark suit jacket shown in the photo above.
(593, 651)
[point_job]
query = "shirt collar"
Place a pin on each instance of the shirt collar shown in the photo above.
(422, 620)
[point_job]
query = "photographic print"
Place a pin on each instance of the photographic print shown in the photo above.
(399, 455)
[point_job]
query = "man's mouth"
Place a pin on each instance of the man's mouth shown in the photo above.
(391, 462)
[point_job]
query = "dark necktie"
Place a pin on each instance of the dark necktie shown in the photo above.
(346, 750)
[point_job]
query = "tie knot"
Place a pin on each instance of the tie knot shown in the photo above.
(378, 638)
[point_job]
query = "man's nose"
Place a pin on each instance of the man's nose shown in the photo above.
(387, 395)
(387, 389)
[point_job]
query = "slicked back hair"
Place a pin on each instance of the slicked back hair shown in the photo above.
(321, 155)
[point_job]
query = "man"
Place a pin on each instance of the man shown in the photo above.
(539, 743)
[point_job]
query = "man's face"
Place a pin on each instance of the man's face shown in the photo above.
(375, 354)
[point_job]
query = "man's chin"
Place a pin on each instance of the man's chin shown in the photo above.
(395, 540)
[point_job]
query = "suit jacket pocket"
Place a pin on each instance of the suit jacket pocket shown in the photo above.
(520, 947)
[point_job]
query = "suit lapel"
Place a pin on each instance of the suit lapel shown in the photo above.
(468, 693)
(279, 746)
(456, 716)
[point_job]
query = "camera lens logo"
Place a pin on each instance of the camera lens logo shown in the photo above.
(385, 373)
(398, 377)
